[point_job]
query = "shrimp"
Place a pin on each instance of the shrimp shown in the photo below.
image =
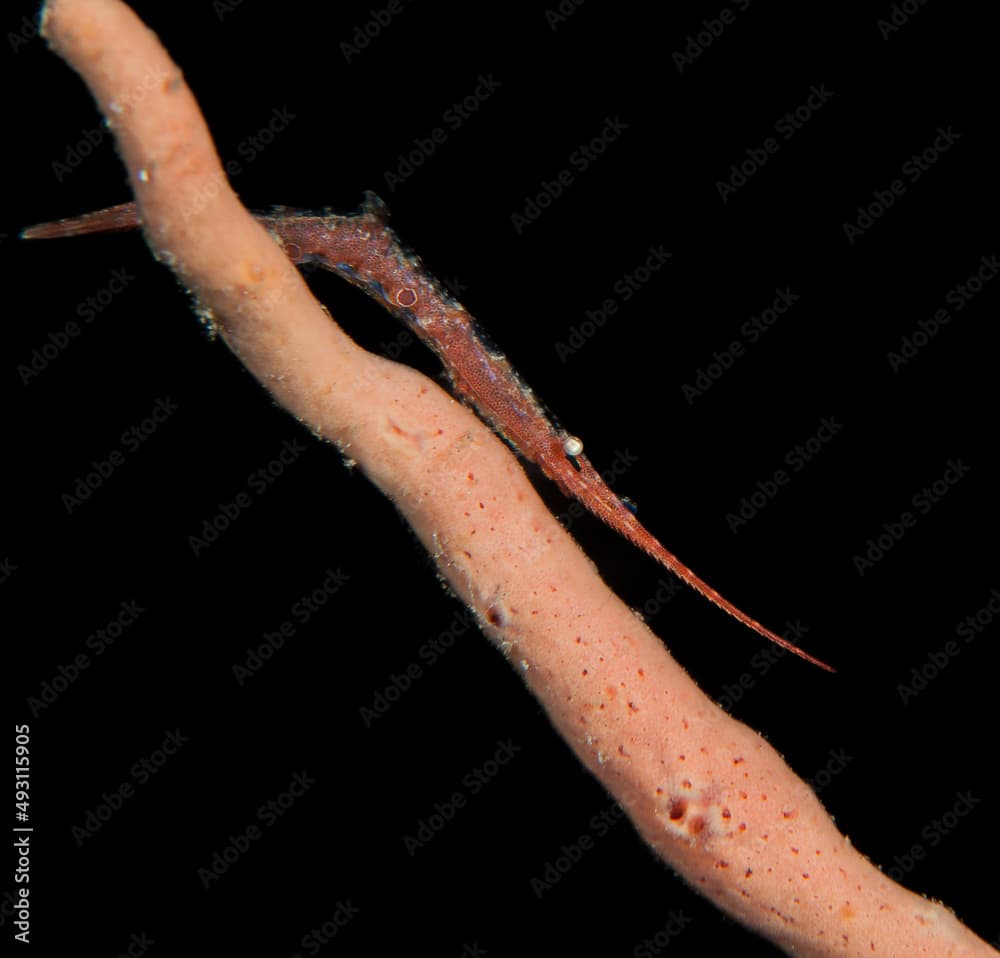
(365, 251)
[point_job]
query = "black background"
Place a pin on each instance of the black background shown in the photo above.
(469, 890)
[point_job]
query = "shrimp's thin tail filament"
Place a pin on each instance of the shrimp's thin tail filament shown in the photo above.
(671, 562)
(585, 483)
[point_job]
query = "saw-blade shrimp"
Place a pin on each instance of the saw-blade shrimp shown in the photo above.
(364, 250)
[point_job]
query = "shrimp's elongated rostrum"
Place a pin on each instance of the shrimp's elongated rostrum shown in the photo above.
(364, 250)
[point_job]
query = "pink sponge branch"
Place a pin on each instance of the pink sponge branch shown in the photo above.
(706, 792)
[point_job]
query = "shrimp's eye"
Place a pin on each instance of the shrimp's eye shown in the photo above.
(572, 446)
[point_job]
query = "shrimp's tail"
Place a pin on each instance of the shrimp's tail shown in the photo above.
(584, 483)
(686, 575)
